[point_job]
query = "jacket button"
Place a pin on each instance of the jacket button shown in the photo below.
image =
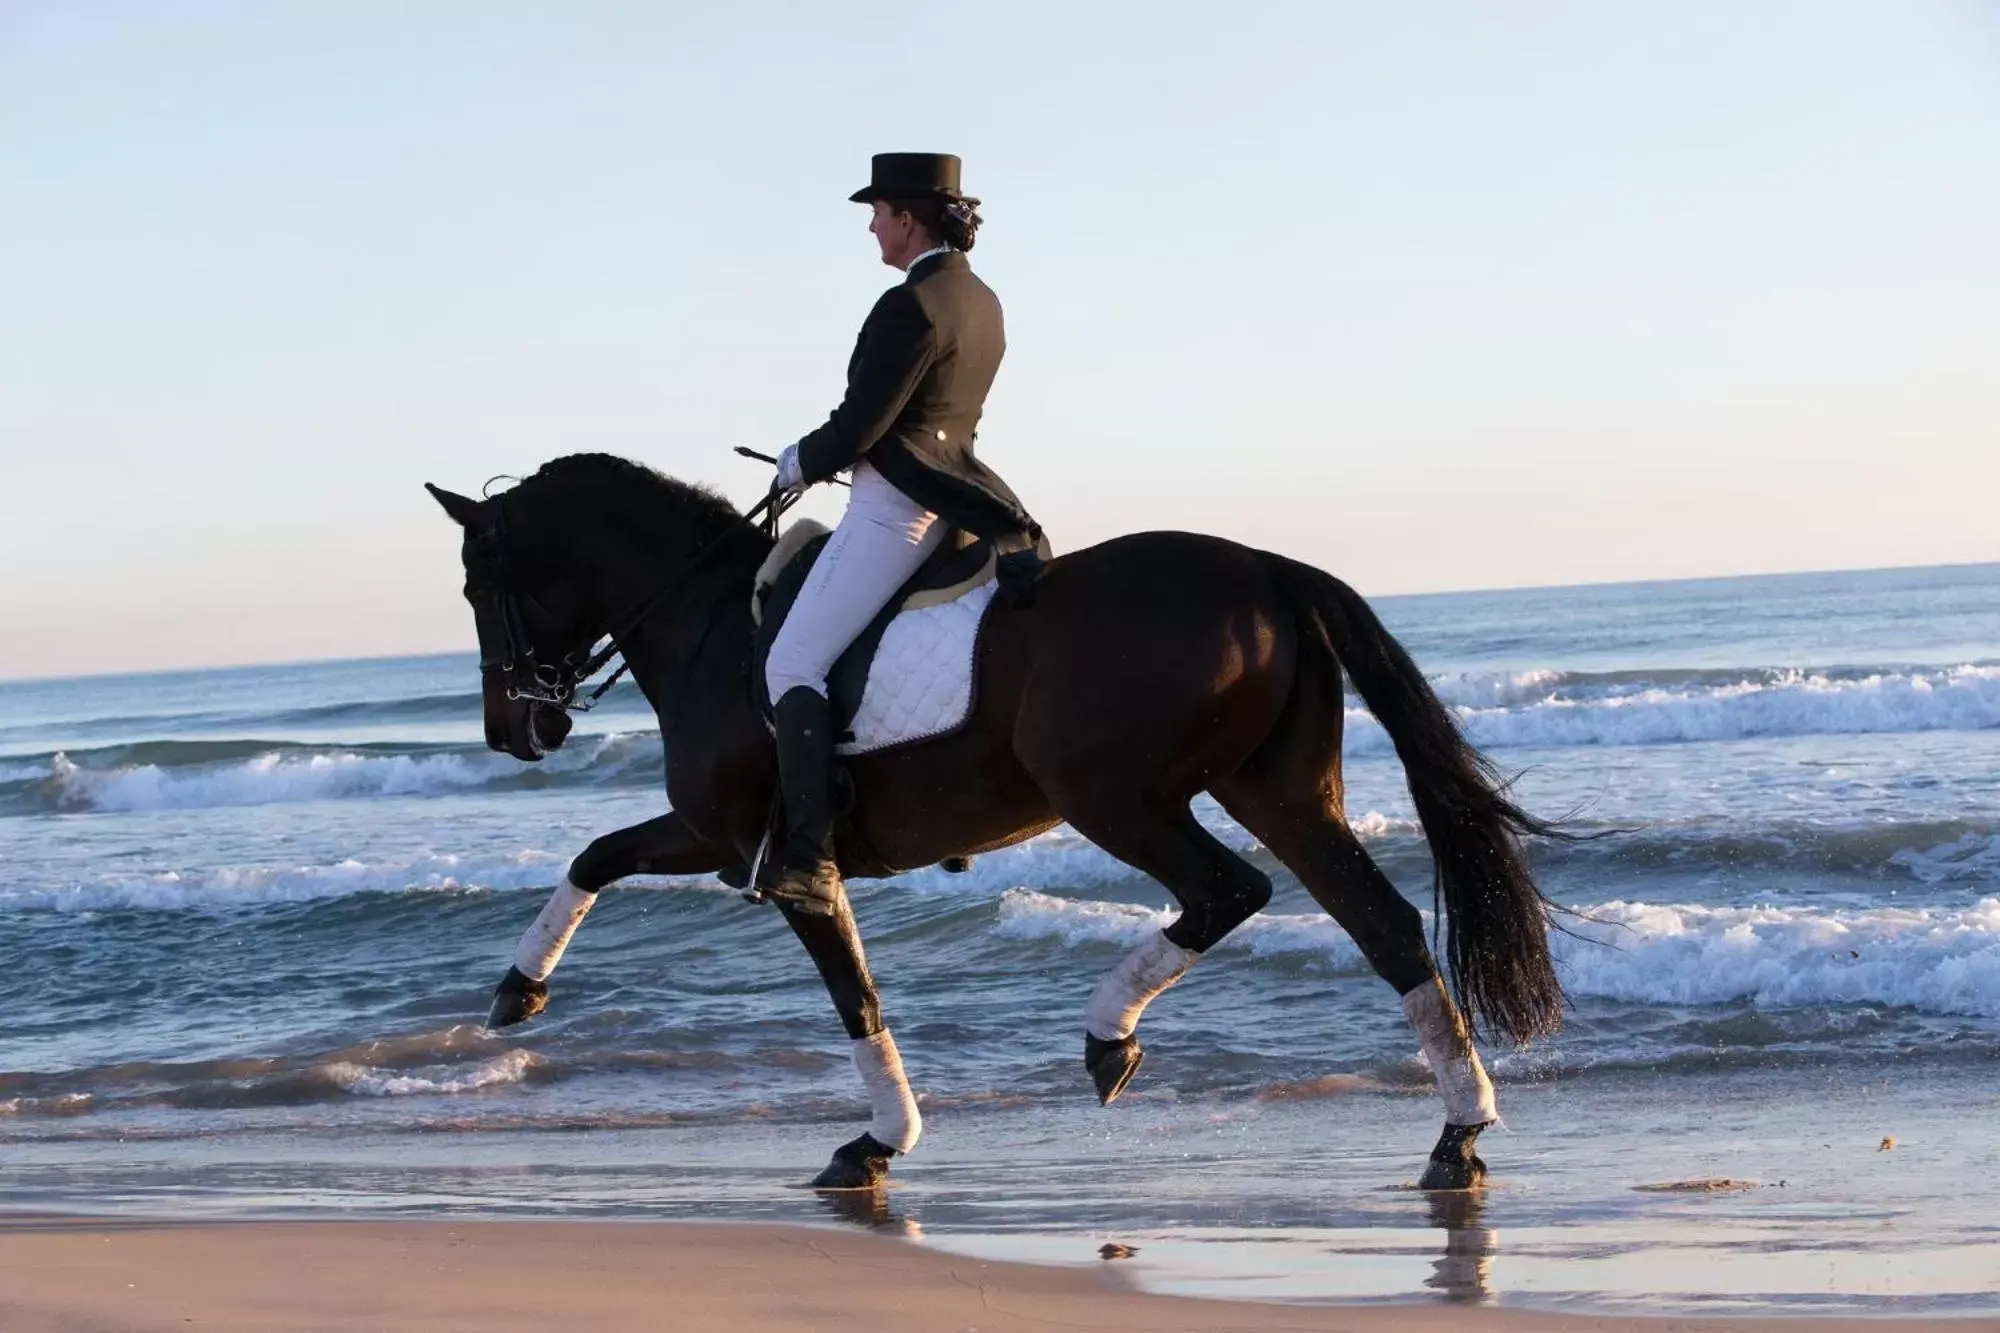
(940, 435)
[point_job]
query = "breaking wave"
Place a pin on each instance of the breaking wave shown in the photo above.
(190, 775)
(1560, 708)
(447, 1062)
(1942, 960)
(226, 887)
(444, 1081)
(1787, 860)
(1498, 711)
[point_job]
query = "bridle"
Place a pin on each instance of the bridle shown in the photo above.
(504, 644)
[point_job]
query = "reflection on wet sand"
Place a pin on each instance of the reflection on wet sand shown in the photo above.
(1464, 1271)
(1461, 1273)
(870, 1210)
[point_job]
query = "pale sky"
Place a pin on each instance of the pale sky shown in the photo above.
(1435, 296)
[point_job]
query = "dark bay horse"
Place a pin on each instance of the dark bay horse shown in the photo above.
(1147, 670)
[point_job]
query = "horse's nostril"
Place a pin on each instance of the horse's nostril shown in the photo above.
(549, 727)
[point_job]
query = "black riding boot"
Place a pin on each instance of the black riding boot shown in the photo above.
(806, 875)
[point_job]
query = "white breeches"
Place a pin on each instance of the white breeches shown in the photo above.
(882, 540)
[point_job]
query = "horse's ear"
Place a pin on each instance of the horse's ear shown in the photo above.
(463, 509)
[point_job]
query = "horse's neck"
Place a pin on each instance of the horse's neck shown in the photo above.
(697, 637)
(674, 613)
(709, 727)
(633, 583)
(681, 618)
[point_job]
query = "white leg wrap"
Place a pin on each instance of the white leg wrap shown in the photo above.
(896, 1122)
(1115, 1006)
(1462, 1081)
(542, 947)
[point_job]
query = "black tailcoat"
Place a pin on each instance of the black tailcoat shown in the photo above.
(916, 385)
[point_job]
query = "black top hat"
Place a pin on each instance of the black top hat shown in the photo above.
(912, 176)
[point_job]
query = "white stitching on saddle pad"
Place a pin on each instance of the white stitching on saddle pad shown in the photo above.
(920, 683)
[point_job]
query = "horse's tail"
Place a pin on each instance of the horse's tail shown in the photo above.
(1495, 921)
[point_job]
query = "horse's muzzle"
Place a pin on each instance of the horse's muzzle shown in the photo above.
(520, 727)
(548, 727)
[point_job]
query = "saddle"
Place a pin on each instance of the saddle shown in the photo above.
(962, 563)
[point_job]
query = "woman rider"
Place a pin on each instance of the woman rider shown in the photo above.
(916, 385)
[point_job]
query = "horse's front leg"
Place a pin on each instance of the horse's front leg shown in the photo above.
(835, 946)
(662, 846)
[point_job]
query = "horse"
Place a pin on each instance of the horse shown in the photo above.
(1143, 671)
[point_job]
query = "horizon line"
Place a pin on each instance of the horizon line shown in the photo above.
(1372, 598)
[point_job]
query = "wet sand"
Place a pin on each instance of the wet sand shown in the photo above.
(62, 1275)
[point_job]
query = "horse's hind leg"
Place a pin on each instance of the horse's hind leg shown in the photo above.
(1289, 797)
(1345, 880)
(1217, 891)
(834, 945)
(662, 846)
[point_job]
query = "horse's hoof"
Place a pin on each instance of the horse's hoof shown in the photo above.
(518, 998)
(1454, 1165)
(1111, 1065)
(860, 1165)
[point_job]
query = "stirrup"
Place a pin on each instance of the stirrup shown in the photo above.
(816, 891)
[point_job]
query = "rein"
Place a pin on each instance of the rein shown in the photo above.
(498, 615)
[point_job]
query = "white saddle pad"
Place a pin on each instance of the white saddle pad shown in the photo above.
(920, 683)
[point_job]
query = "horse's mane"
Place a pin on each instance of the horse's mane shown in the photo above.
(645, 503)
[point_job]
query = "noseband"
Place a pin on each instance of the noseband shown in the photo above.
(504, 644)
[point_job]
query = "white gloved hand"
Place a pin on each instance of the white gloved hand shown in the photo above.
(790, 478)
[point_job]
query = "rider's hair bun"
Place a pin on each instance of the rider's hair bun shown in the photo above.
(958, 223)
(954, 221)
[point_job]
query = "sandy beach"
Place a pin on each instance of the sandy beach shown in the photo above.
(63, 1275)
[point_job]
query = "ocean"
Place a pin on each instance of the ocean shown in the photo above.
(255, 915)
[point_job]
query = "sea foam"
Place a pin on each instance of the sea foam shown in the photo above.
(1794, 857)
(512, 1067)
(284, 774)
(223, 888)
(1497, 711)
(1548, 708)
(1943, 960)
